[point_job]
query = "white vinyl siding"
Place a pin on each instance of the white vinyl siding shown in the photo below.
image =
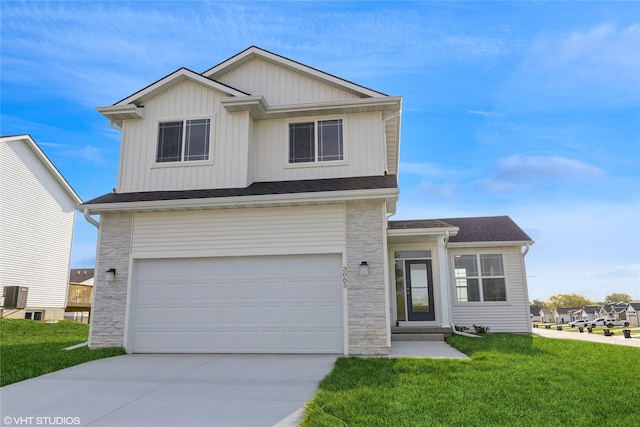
(37, 227)
(363, 154)
(240, 232)
(511, 315)
(279, 85)
(228, 146)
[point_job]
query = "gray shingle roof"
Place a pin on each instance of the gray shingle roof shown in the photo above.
(473, 229)
(256, 189)
(487, 229)
(79, 275)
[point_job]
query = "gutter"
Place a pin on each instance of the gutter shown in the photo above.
(90, 219)
(451, 325)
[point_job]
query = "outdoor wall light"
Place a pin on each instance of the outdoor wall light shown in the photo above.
(110, 275)
(364, 268)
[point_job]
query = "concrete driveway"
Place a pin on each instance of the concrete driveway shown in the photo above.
(169, 390)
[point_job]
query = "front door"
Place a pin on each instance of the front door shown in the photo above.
(419, 289)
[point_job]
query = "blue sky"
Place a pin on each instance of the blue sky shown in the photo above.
(529, 109)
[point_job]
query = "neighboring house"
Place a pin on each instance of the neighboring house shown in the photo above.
(633, 313)
(547, 315)
(590, 312)
(79, 295)
(37, 212)
(575, 314)
(562, 315)
(536, 316)
(251, 215)
(618, 310)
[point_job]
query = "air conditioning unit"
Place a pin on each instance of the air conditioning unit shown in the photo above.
(15, 296)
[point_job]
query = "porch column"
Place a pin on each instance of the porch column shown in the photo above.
(443, 267)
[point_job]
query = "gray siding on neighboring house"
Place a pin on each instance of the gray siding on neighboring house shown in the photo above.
(109, 298)
(367, 299)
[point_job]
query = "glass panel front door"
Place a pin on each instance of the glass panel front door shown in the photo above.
(418, 280)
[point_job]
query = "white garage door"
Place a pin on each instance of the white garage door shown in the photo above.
(271, 304)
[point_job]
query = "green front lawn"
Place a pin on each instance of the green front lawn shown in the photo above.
(510, 380)
(29, 348)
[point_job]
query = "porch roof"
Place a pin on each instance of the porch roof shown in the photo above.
(492, 229)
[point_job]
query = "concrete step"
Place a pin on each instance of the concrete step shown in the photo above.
(401, 330)
(417, 337)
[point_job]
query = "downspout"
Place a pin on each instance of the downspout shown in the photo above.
(90, 219)
(451, 325)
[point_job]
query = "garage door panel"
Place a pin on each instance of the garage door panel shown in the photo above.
(252, 304)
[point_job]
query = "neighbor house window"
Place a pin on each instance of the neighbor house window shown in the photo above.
(317, 141)
(34, 315)
(186, 140)
(480, 277)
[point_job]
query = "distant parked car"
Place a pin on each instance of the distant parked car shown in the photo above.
(608, 322)
(578, 323)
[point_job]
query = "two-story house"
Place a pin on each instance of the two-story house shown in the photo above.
(251, 215)
(37, 217)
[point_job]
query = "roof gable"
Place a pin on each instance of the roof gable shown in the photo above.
(218, 72)
(174, 79)
(39, 154)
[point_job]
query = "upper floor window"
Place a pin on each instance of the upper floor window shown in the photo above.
(317, 141)
(480, 277)
(185, 140)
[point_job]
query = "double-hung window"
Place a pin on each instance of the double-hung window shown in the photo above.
(183, 141)
(317, 141)
(480, 277)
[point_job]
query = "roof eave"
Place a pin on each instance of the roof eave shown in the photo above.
(383, 194)
(398, 232)
(491, 243)
(260, 110)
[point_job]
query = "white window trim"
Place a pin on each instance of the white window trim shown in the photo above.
(482, 302)
(316, 163)
(184, 163)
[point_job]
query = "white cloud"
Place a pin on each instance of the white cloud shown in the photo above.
(525, 172)
(594, 68)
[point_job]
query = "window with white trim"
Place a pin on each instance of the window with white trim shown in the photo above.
(183, 141)
(480, 278)
(34, 315)
(317, 141)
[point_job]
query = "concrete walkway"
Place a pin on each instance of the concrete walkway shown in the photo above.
(618, 338)
(425, 349)
(170, 390)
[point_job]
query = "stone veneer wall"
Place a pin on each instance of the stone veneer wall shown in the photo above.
(366, 294)
(108, 311)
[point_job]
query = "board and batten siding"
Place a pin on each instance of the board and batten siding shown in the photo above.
(510, 316)
(363, 150)
(279, 85)
(229, 144)
(240, 232)
(37, 217)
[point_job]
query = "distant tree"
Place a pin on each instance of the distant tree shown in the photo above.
(617, 297)
(539, 303)
(568, 300)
